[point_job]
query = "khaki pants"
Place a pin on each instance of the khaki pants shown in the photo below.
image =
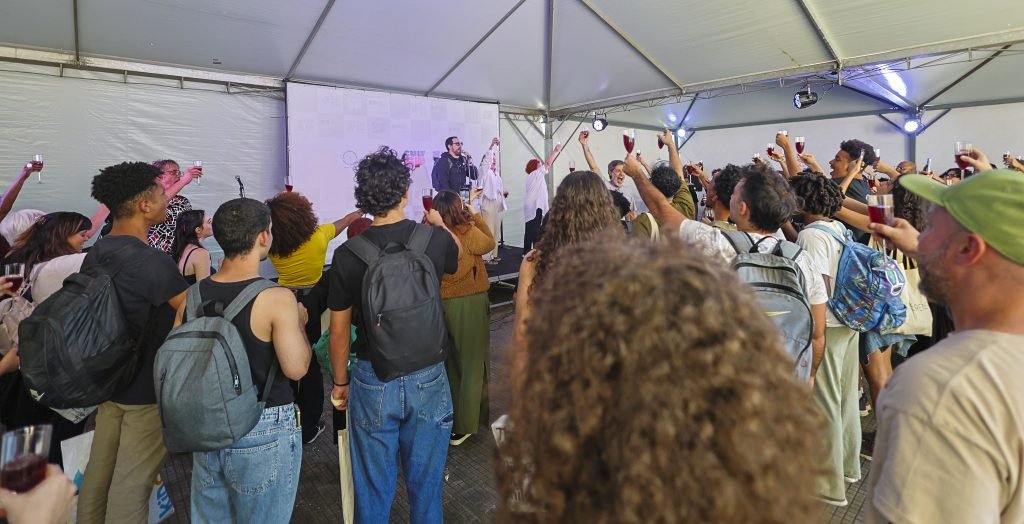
(835, 390)
(491, 211)
(468, 321)
(127, 454)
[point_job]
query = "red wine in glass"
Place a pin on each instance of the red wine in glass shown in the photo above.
(961, 149)
(628, 142)
(661, 143)
(23, 473)
(288, 184)
(428, 203)
(881, 214)
(770, 149)
(16, 281)
(799, 144)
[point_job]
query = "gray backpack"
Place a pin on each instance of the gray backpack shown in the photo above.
(778, 285)
(203, 382)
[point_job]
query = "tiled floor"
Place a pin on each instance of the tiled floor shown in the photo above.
(469, 494)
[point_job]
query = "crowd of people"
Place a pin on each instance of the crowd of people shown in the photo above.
(693, 355)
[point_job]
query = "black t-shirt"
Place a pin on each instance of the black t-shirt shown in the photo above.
(144, 286)
(347, 270)
(259, 352)
(859, 191)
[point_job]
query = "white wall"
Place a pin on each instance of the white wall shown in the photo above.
(993, 129)
(82, 125)
(738, 145)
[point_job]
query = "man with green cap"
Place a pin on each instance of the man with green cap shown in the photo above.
(950, 444)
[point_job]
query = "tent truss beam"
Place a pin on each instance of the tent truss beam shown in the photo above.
(625, 38)
(907, 103)
(522, 137)
(549, 53)
(471, 50)
(309, 39)
(796, 120)
(881, 100)
(820, 30)
(74, 14)
(966, 75)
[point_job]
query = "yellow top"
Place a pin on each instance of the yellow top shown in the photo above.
(306, 264)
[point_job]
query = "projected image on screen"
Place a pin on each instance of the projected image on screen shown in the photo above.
(331, 129)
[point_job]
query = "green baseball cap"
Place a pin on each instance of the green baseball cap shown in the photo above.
(990, 204)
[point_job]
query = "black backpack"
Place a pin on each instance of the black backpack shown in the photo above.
(76, 347)
(401, 305)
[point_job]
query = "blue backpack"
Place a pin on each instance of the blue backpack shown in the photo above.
(867, 288)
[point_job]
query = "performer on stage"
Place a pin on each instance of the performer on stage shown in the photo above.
(492, 201)
(452, 170)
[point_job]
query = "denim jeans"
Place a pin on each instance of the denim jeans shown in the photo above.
(409, 416)
(254, 480)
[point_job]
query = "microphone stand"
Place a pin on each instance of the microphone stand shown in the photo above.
(241, 188)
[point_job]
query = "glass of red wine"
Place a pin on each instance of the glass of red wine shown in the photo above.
(572, 166)
(15, 275)
(199, 165)
(38, 159)
(880, 210)
(770, 149)
(23, 455)
(428, 199)
(629, 140)
(799, 141)
(661, 143)
(288, 184)
(962, 149)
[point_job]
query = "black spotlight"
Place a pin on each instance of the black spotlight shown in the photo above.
(600, 122)
(804, 99)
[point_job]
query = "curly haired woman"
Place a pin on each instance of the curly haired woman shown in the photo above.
(651, 403)
(581, 209)
(467, 313)
(298, 252)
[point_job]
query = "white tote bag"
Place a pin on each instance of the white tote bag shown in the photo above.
(919, 315)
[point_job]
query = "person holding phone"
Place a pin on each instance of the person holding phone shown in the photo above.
(848, 170)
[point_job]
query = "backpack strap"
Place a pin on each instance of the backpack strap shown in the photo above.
(655, 230)
(787, 249)
(247, 295)
(193, 303)
(363, 249)
(420, 238)
(830, 231)
(740, 240)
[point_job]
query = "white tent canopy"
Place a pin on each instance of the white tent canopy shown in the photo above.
(560, 57)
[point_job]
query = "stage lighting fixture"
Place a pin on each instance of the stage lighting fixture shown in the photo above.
(600, 122)
(806, 98)
(681, 132)
(912, 125)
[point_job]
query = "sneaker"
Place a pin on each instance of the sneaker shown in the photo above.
(458, 438)
(320, 427)
(840, 503)
(867, 445)
(492, 262)
(865, 407)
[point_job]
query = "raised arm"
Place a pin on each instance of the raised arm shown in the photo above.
(342, 223)
(811, 162)
(551, 158)
(673, 154)
(9, 196)
(668, 217)
(882, 167)
(647, 167)
(98, 219)
(187, 177)
(585, 142)
(791, 165)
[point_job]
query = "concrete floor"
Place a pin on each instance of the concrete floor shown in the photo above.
(469, 493)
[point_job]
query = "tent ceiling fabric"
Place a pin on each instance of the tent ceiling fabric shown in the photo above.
(604, 52)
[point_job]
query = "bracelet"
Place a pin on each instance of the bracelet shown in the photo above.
(341, 385)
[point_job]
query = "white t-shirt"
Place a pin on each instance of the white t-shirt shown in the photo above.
(536, 194)
(715, 245)
(950, 442)
(825, 251)
(48, 277)
(490, 180)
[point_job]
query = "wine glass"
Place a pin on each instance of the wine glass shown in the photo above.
(428, 199)
(783, 132)
(15, 275)
(38, 159)
(962, 149)
(572, 166)
(799, 141)
(629, 140)
(878, 156)
(661, 143)
(770, 149)
(288, 184)
(198, 164)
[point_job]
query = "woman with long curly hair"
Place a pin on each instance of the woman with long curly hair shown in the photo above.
(191, 228)
(647, 401)
(51, 250)
(298, 252)
(581, 209)
(467, 313)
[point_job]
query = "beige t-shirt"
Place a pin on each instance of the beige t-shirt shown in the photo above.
(950, 444)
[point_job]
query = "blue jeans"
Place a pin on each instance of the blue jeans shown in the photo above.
(411, 416)
(254, 480)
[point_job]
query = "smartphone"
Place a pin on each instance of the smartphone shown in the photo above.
(928, 166)
(860, 159)
(464, 193)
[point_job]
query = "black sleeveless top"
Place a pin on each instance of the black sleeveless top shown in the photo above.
(191, 279)
(260, 353)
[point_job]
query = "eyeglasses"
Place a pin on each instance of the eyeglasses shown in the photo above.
(456, 143)
(173, 172)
